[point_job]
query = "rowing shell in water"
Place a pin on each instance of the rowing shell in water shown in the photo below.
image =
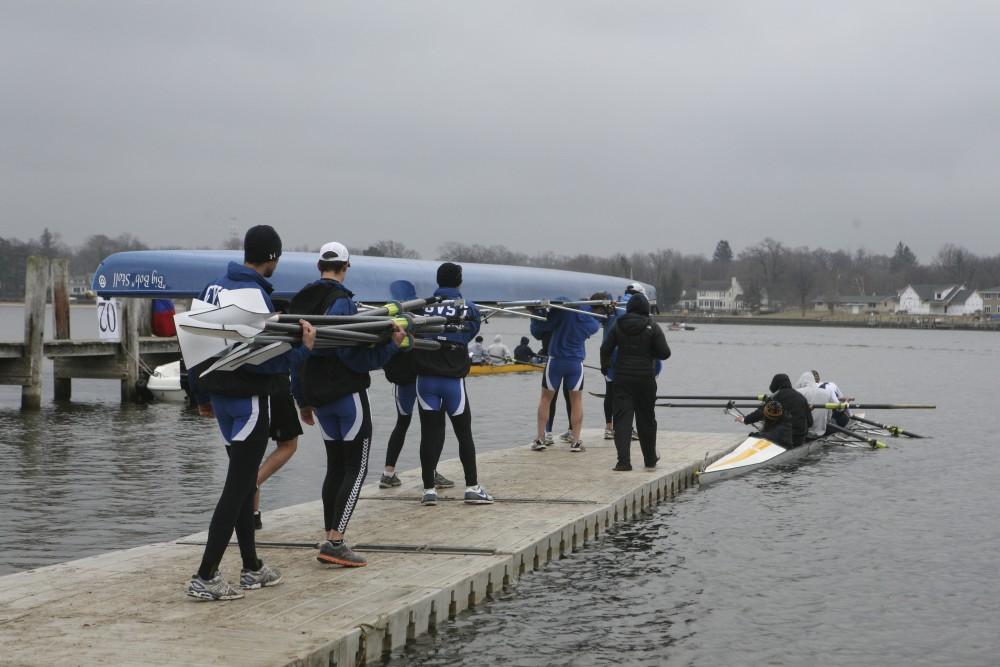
(485, 369)
(755, 452)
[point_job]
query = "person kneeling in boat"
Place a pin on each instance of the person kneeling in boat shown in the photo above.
(331, 387)
(793, 404)
(777, 426)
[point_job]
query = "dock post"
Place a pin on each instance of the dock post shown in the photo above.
(128, 350)
(63, 387)
(36, 288)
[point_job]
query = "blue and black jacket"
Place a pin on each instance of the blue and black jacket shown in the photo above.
(267, 378)
(329, 374)
(569, 331)
(452, 360)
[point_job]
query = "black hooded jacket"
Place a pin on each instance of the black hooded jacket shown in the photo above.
(794, 404)
(640, 342)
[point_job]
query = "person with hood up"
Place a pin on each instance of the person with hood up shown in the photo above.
(523, 352)
(815, 394)
(569, 333)
(636, 343)
(477, 351)
(839, 417)
(497, 353)
(795, 408)
(441, 388)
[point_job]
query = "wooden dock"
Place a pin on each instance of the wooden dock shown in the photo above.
(128, 607)
(124, 360)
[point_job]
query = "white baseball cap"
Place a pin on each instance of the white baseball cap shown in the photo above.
(334, 252)
(635, 287)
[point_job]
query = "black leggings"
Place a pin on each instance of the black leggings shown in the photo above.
(432, 443)
(552, 408)
(397, 438)
(609, 401)
(234, 511)
(346, 469)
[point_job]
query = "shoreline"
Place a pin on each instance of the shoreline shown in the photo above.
(926, 324)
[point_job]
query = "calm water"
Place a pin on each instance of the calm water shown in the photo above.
(851, 558)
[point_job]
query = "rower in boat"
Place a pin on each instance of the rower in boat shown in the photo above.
(816, 395)
(793, 404)
(523, 352)
(498, 353)
(477, 353)
(777, 424)
(840, 417)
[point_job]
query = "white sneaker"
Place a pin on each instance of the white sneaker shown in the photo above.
(537, 446)
(566, 436)
(609, 434)
(547, 439)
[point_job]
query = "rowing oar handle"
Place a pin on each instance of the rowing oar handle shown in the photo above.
(396, 307)
(875, 444)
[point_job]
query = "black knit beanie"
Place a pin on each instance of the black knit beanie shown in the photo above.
(261, 244)
(449, 275)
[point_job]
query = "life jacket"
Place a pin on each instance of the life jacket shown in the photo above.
(325, 378)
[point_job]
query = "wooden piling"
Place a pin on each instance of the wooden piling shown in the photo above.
(128, 349)
(63, 387)
(36, 289)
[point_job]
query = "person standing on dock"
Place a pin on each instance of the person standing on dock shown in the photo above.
(331, 387)
(638, 346)
(441, 388)
(569, 331)
(240, 402)
(402, 373)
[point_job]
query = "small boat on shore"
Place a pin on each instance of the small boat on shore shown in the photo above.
(487, 369)
(165, 383)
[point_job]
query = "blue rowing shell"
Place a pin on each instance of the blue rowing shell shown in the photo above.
(184, 273)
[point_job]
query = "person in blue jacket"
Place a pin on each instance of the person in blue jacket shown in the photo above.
(239, 401)
(569, 333)
(441, 388)
(332, 387)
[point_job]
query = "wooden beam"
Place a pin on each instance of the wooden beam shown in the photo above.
(62, 387)
(36, 289)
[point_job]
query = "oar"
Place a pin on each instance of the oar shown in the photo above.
(716, 406)
(875, 444)
(494, 310)
(758, 397)
(893, 430)
(873, 406)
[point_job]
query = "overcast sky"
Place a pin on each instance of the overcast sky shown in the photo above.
(571, 126)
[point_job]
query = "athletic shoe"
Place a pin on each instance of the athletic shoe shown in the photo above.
(430, 498)
(389, 481)
(442, 482)
(339, 554)
(653, 467)
(547, 439)
(477, 496)
(215, 588)
(577, 447)
(257, 523)
(622, 467)
(609, 434)
(254, 579)
(537, 446)
(566, 436)
(635, 435)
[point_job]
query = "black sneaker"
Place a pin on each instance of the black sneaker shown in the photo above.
(339, 554)
(257, 523)
(577, 447)
(622, 467)
(653, 467)
(389, 481)
(442, 482)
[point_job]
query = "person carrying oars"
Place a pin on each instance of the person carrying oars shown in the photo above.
(331, 388)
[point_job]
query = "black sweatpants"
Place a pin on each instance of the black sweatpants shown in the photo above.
(432, 431)
(635, 398)
(234, 511)
(609, 401)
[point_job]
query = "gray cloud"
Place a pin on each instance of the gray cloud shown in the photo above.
(564, 126)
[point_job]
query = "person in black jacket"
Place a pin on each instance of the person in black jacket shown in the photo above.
(795, 409)
(641, 345)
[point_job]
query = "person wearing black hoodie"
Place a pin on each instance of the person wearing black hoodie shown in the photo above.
(795, 409)
(641, 346)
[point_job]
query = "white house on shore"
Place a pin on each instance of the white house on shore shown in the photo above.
(939, 300)
(721, 295)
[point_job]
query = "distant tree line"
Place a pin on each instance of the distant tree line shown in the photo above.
(790, 275)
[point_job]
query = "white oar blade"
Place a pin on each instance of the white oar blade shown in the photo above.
(248, 354)
(250, 299)
(231, 315)
(196, 348)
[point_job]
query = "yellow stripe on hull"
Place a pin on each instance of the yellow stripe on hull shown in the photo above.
(506, 368)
